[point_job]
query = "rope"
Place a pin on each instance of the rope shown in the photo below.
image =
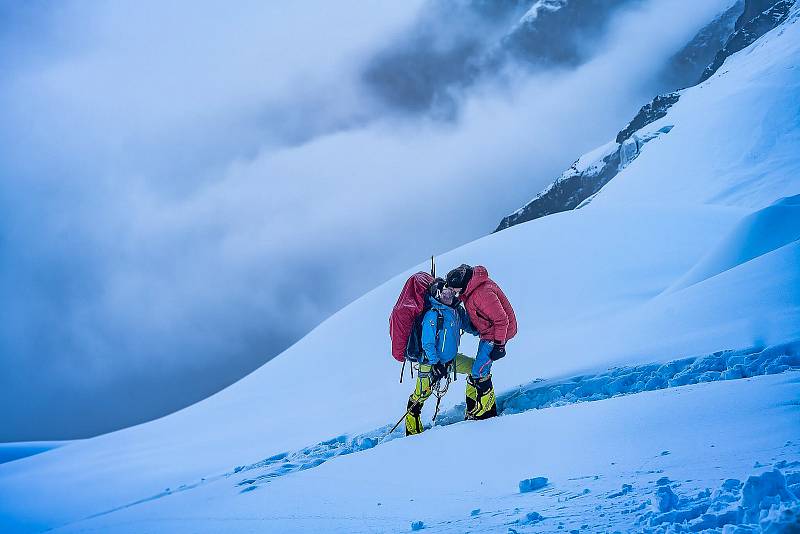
(440, 392)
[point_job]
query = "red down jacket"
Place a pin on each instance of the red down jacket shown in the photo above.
(409, 305)
(489, 309)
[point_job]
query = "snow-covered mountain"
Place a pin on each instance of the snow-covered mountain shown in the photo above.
(676, 290)
(733, 30)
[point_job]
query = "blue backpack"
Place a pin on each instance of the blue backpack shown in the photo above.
(414, 350)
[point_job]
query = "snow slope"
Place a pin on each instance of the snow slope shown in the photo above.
(22, 449)
(588, 452)
(676, 257)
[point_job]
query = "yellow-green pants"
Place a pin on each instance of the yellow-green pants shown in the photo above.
(423, 390)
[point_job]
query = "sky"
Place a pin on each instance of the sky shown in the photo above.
(188, 188)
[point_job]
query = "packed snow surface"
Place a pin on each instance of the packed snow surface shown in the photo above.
(630, 464)
(636, 385)
(23, 449)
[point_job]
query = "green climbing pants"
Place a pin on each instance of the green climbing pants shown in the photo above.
(423, 389)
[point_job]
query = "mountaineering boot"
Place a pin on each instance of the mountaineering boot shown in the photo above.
(480, 398)
(417, 399)
(413, 420)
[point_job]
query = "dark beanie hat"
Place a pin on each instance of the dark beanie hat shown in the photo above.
(460, 276)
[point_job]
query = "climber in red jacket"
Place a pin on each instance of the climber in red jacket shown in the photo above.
(493, 317)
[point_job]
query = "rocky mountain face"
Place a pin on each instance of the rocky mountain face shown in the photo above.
(591, 172)
(649, 113)
(686, 66)
(750, 29)
(745, 22)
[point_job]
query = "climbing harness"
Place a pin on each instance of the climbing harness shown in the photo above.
(437, 389)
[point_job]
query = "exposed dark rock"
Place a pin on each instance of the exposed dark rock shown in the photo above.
(752, 29)
(572, 188)
(648, 113)
(686, 67)
(752, 9)
(584, 179)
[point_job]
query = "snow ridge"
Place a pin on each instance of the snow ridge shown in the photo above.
(721, 365)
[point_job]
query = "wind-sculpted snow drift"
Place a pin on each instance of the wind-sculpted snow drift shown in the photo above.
(757, 234)
(722, 365)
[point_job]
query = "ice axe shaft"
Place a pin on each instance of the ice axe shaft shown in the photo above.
(408, 410)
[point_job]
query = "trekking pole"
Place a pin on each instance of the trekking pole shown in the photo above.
(433, 268)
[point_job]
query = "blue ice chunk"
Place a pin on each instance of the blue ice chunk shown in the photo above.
(737, 371)
(475, 512)
(774, 369)
(704, 522)
(417, 525)
(655, 382)
(666, 500)
(732, 484)
(764, 488)
(626, 488)
(532, 484)
(534, 517)
(791, 478)
(709, 376)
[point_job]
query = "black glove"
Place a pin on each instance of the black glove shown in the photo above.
(438, 371)
(498, 351)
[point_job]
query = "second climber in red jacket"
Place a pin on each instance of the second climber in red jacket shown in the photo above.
(493, 317)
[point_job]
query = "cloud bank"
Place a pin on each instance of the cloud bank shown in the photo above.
(187, 189)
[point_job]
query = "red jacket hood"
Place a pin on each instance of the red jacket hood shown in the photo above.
(488, 307)
(479, 276)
